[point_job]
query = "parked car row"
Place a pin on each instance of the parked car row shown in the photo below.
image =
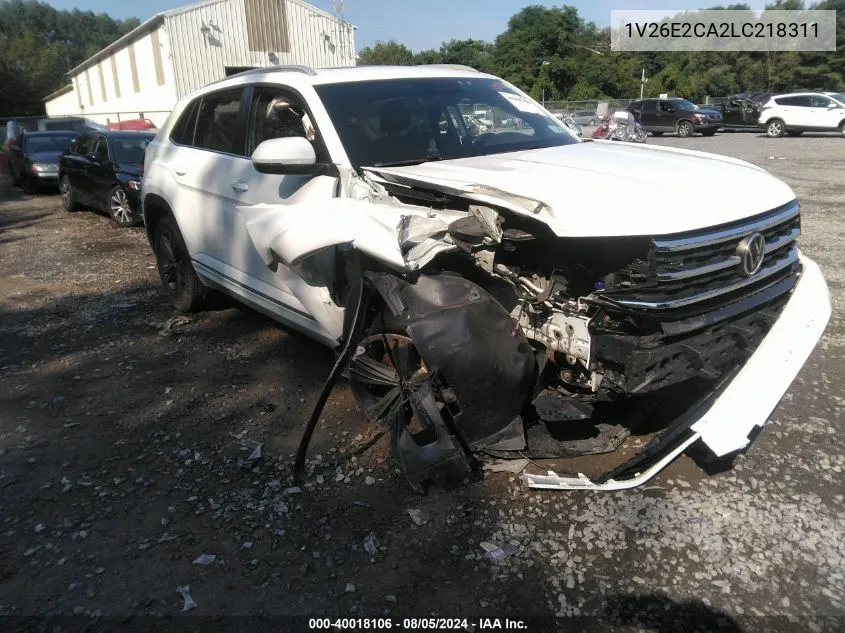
(777, 114)
(98, 169)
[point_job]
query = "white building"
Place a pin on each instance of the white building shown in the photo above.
(146, 71)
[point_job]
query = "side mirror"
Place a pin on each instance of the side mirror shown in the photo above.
(830, 104)
(289, 155)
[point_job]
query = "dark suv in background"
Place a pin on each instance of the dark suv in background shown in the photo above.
(675, 116)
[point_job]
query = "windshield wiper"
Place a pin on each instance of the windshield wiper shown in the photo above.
(405, 163)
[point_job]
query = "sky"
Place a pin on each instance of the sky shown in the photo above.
(419, 25)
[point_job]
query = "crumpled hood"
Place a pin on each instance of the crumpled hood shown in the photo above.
(609, 188)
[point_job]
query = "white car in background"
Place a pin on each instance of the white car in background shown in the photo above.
(798, 112)
(514, 293)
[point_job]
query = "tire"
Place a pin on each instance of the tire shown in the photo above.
(28, 186)
(119, 208)
(640, 136)
(593, 122)
(775, 128)
(842, 128)
(794, 132)
(708, 132)
(66, 191)
(685, 129)
(180, 281)
(657, 133)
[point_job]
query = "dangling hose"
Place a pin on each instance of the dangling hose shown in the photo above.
(352, 331)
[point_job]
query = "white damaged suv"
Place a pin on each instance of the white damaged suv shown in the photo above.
(508, 290)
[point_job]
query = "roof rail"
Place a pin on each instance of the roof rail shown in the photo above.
(293, 68)
(454, 67)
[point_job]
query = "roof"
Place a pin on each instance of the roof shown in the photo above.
(52, 133)
(58, 93)
(157, 20)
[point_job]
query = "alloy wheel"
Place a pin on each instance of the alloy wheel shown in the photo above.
(67, 194)
(120, 209)
(775, 129)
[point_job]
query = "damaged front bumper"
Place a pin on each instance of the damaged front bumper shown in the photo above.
(744, 400)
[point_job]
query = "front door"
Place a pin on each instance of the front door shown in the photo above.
(100, 173)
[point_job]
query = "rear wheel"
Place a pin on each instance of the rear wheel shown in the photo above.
(183, 287)
(68, 201)
(842, 128)
(685, 129)
(119, 208)
(775, 128)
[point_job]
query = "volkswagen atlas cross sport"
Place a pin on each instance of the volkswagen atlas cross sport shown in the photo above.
(512, 291)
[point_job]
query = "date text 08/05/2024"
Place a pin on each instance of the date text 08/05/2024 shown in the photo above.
(415, 624)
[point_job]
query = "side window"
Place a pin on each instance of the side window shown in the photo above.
(85, 145)
(817, 101)
(650, 107)
(217, 122)
(183, 131)
(665, 106)
(794, 101)
(102, 148)
(275, 114)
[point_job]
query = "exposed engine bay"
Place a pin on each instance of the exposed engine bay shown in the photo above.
(484, 333)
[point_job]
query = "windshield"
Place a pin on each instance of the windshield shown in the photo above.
(683, 104)
(47, 143)
(410, 121)
(130, 150)
(839, 96)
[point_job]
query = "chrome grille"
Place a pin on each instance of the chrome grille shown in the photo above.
(703, 266)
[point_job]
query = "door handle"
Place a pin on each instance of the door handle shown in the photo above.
(180, 171)
(240, 186)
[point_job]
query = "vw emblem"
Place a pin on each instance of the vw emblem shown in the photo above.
(751, 251)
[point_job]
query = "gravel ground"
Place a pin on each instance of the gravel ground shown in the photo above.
(125, 455)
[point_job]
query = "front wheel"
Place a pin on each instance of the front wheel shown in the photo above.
(685, 129)
(183, 287)
(842, 128)
(775, 128)
(120, 209)
(640, 135)
(68, 201)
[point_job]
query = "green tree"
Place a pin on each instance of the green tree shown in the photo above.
(390, 53)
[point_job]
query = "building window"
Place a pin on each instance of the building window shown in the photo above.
(134, 67)
(157, 57)
(267, 25)
(114, 76)
(88, 83)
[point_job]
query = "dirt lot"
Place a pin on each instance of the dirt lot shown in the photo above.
(121, 462)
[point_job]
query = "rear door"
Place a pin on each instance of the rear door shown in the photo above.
(100, 173)
(795, 111)
(207, 162)
(650, 120)
(75, 166)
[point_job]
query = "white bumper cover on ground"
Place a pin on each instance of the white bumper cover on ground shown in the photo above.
(751, 396)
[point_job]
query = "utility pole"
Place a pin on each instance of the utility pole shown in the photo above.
(546, 62)
(643, 82)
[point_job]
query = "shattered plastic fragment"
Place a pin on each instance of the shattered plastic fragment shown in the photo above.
(371, 544)
(185, 590)
(256, 449)
(420, 517)
(205, 559)
(499, 553)
(506, 466)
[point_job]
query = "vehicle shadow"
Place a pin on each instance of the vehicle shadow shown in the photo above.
(656, 613)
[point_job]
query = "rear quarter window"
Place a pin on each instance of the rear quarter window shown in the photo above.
(183, 130)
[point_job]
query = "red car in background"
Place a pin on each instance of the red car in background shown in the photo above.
(132, 124)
